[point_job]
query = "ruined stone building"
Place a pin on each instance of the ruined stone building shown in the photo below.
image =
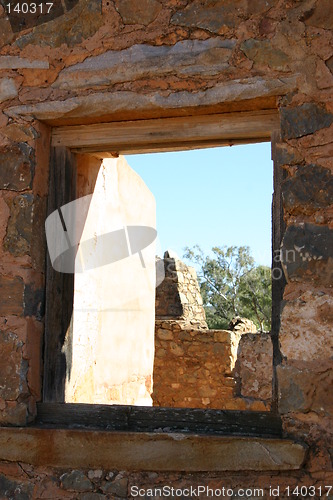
(82, 83)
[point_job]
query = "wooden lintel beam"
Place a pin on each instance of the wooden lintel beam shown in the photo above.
(169, 134)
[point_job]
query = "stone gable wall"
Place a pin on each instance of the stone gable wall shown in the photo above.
(106, 60)
(178, 296)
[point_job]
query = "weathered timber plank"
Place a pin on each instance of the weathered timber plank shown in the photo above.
(152, 419)
(169, 133)
(59, 286)
(279, 280)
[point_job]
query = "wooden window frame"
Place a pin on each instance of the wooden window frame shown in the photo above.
(132, 137)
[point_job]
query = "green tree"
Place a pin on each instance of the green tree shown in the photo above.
(232, 285)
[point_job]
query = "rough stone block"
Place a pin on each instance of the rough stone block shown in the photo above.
(15, 414)
(34, 302)
(262, 52)
(6, 33)
(16, 62)
(8, 89)
(133, 12)
(11, 366)
(26, 236)
(185, 58)
(16, 168)
(329, 64)
(255, 366)
(211, 15)
(285, 155)
(302, 390)
(76, 480)
(14, 489)
(242, 325)
(12, 290)
(118, 487)
(304, 120)
(305, 332)
(306, 253)
(308, 190)
(79, 24)
(20, 225)
(21, 22)
(19, 133)
(321, 15)
(93, 496)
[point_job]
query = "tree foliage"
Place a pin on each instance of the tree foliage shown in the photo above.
(232, 285)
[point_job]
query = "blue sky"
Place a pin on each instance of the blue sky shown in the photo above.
(212, 197)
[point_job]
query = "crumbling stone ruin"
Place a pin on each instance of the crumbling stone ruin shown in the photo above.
(95, 79)
(194, 367)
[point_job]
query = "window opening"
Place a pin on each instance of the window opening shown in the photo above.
(109, 347)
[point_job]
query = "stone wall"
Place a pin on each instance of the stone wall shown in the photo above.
(254, 366)
(113, 60)
(195, 368)
(178, 296)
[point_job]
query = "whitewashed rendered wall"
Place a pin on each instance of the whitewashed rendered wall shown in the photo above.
(114, 304)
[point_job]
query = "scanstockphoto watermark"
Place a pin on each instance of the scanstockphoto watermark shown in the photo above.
(71, 253)
(195, 492)
(23, 14)
(280, 258)
(276, 491)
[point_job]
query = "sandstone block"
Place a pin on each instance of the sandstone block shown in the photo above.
(133, 12)
(164, 334)
(306, 253)
(115, 104)
(242, 325)
(8, 89)
(304, 120)
(308, 190)
(185, 58)
(222, 335)
(305, 332)
(141, 451)
(11, 295)
(16, 168)
(262, 52)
